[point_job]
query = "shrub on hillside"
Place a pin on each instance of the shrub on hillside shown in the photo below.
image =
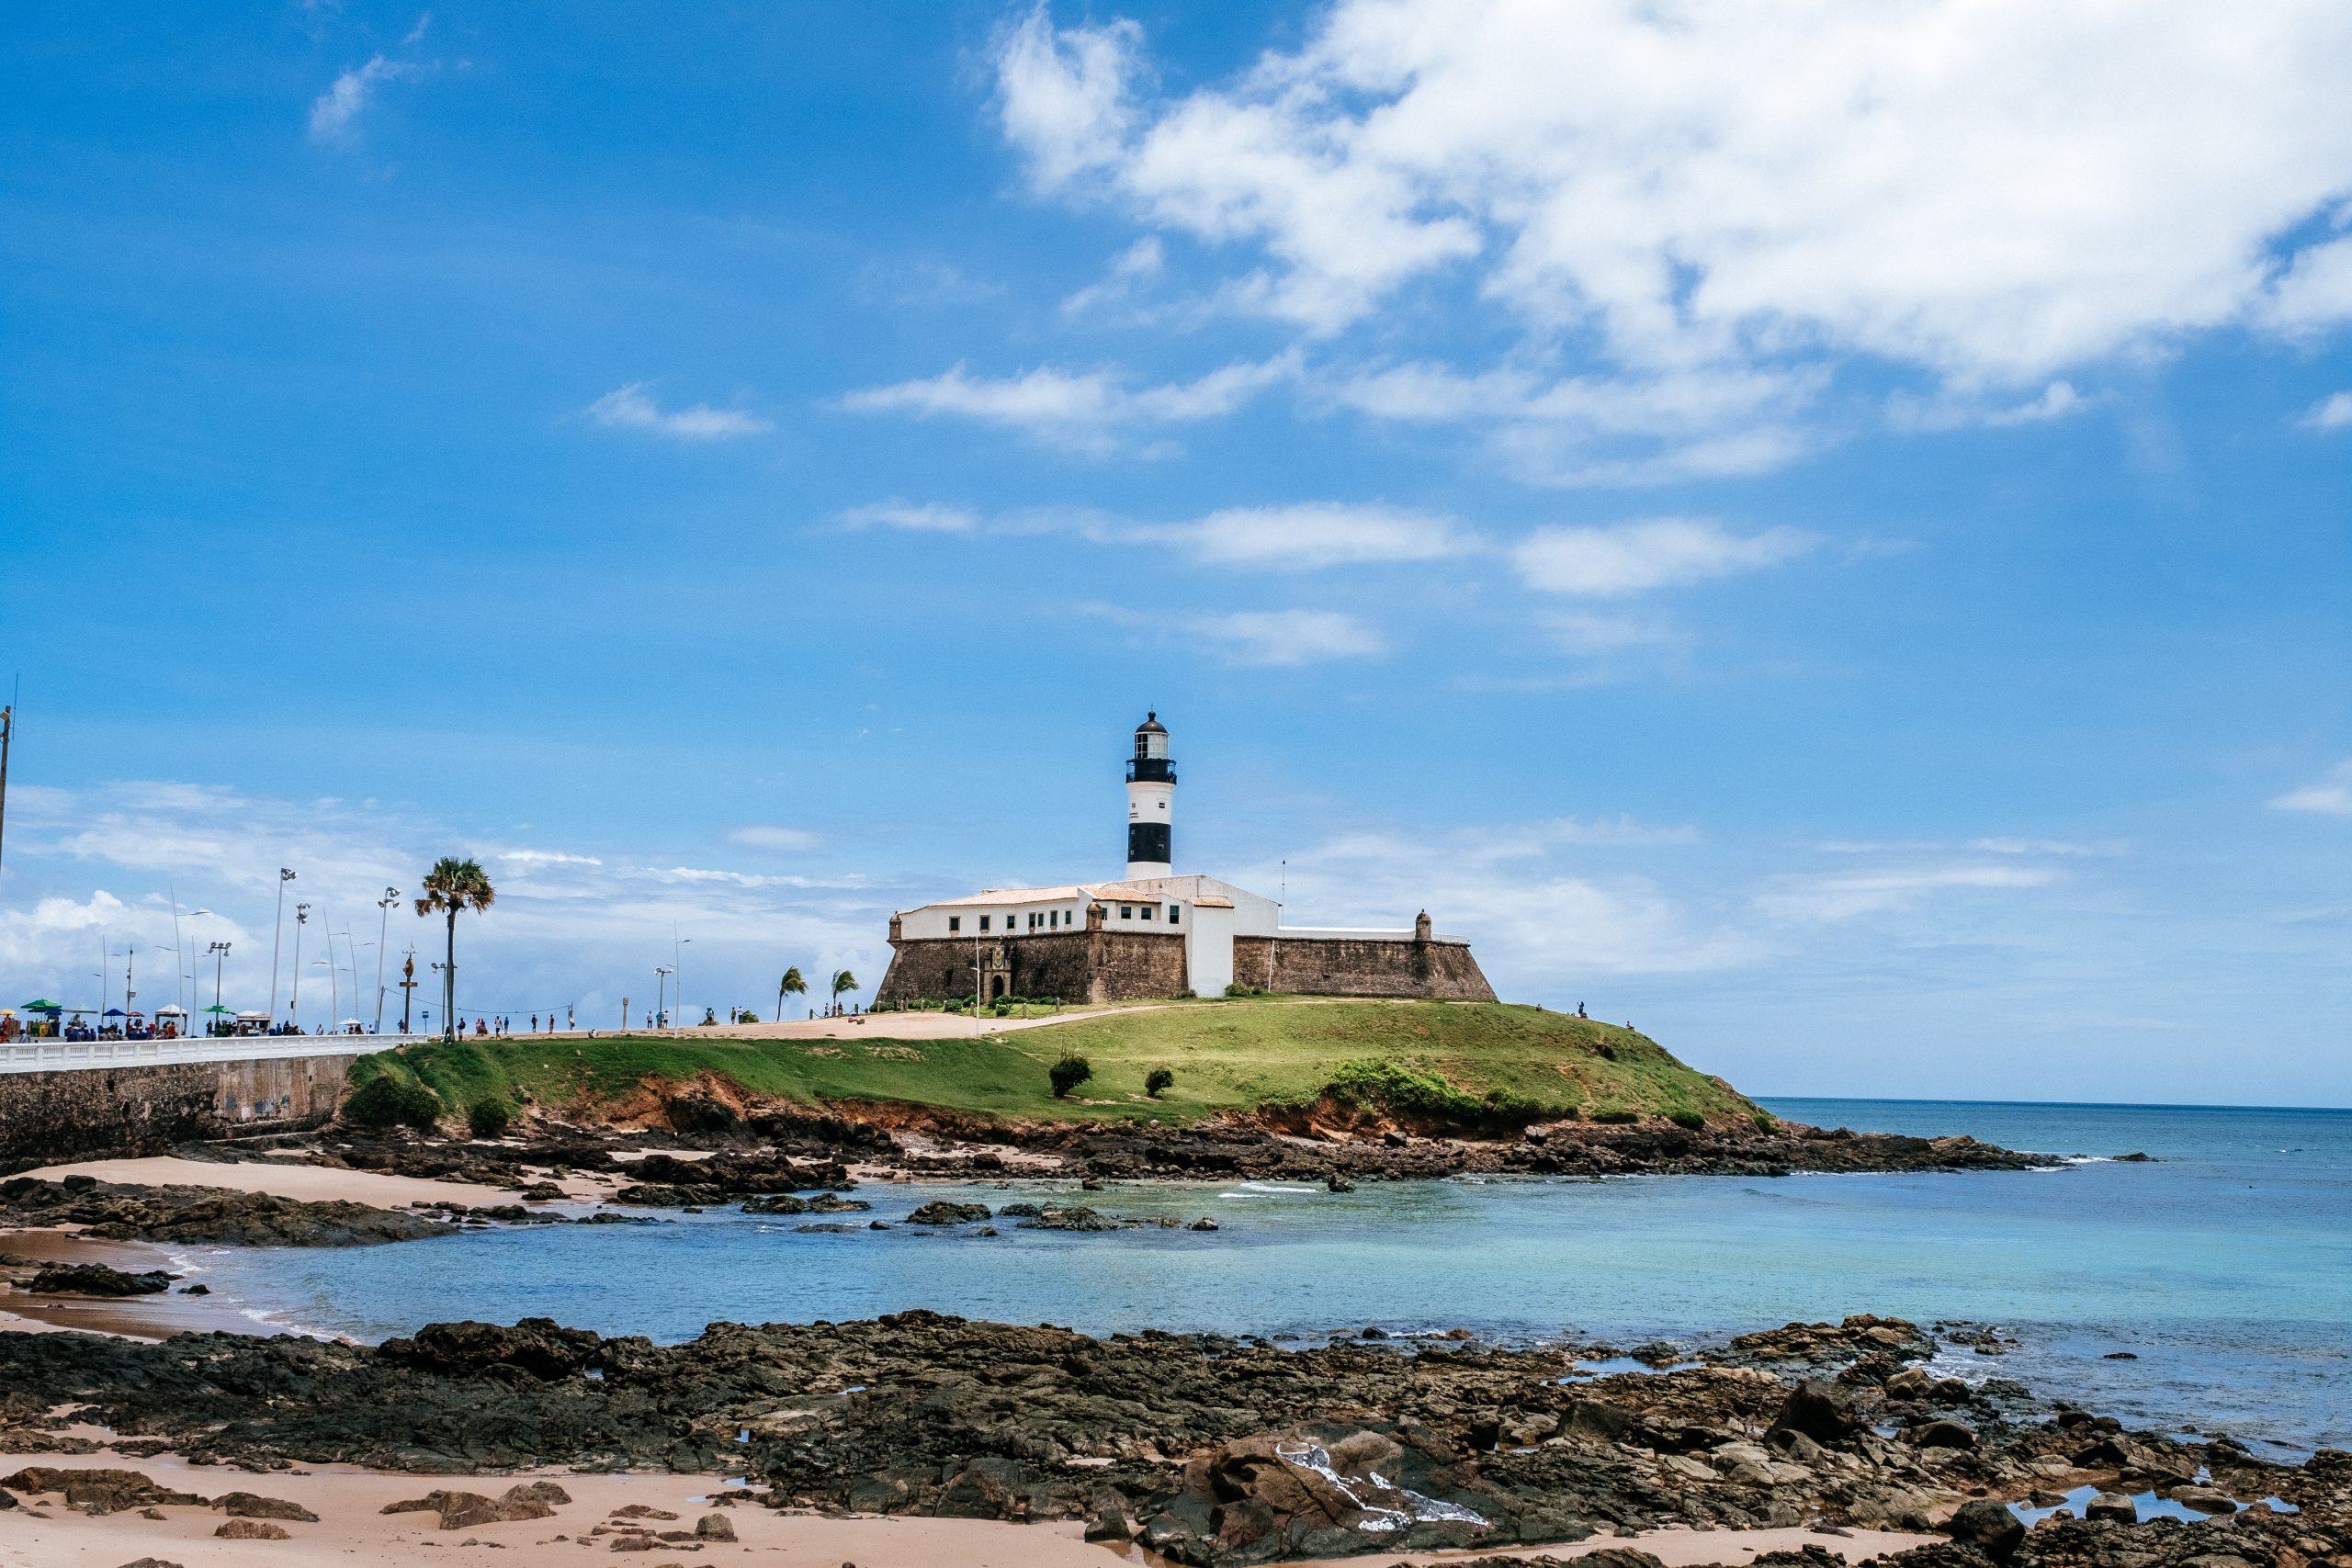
(1384, 1085)
(1158, 1082)
(1616, 1115)
(1684, 1117)
(1238, 989)
(489, 1118)
(391, 1102)
(1067, 1073)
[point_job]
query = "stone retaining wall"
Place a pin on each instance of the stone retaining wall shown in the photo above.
(1348, 966)
(95, 1112)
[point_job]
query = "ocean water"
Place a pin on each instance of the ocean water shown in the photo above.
(2224, 1266)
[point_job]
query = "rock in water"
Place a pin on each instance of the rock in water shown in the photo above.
(2111, 1506)
(1337, 1183)
(98, 1279)
(942, 1213)
(1989, 1527)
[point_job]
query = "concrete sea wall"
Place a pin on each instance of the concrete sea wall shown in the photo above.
(96, 1111)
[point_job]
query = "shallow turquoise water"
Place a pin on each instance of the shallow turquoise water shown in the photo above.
(2225, 1266)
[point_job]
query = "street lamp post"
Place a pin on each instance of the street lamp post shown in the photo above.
(383, 929)
(678, 959)
(276, 934)
(335, 992)
(294, 1009)
(660, 983)
(408, 987)
(219, 952)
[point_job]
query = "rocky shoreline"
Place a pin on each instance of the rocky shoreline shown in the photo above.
(1215, 1450)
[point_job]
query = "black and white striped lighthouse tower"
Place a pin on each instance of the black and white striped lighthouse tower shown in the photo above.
(1151, 794)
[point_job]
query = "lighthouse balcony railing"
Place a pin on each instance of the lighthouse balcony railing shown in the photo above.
(1151, 769)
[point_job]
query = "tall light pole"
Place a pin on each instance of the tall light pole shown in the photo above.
(661, 980)
(678, 960)
(408, 987)
(294, 1009)
(448, 1014)
(277, 932)
(383, 931)
(130, 956)
(335, 992)
(218, 952)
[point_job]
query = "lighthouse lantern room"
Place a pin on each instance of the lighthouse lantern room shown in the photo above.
(1152, 792)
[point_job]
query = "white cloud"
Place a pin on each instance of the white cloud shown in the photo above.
(627, 408)
(1303, 536)
(336, 112)
(1288, 636)
(1632, 558)
(926, 518)
(1845, 896)
(2331, 798)
(2331, 412)
(1597, 636)
(1132, 268)
(1083, 410)
(1985, 193)
(771, 836)
(1318, 533)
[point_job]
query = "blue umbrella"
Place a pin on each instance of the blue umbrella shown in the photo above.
(113, 1012)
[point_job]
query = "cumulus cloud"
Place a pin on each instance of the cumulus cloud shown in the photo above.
(2332, 796)
(1288, 637)
(1632, 557)
(1985, 196)
(627, 408)
(1084, 409)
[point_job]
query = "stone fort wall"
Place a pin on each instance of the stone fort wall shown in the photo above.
(1124, 966)
(91, 1113)
(1341, 966)
(1074, 967)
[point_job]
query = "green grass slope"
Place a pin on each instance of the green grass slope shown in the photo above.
(1459, 1060)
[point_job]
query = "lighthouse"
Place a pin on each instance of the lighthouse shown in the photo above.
(1151, 791)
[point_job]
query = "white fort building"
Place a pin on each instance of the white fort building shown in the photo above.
(1154, 934)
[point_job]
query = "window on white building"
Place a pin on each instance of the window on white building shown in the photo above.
(1174, 911)
(955, 924)
(984, 923)
(1127, 911)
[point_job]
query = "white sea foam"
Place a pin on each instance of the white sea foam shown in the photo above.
(1388, 1507)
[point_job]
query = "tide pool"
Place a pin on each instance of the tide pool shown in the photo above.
(2223, 1265)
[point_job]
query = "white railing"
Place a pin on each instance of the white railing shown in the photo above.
(65, 1055)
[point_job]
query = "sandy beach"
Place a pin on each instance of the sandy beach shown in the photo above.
(353, 1533)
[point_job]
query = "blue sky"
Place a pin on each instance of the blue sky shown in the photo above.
(1822, 535)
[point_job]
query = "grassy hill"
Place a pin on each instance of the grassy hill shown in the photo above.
(1447, 1060)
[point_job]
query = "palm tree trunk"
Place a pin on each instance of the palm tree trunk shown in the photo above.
(449, 981)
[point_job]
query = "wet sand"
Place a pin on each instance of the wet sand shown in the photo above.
(131, 1317)
(353, 1533)
(309, 1183)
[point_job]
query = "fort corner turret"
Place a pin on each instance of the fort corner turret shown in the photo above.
(1151, 794)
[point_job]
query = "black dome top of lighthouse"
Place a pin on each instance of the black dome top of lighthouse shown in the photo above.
(1151, 726)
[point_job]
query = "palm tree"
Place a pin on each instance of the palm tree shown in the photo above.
(453, 884)
(791, 982)
(842, 981)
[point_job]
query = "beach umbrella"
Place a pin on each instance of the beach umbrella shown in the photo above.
(111, 1012)
(216, 1007)
(43, 1006)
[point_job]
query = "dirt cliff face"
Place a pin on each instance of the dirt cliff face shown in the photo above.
(1215, 1450)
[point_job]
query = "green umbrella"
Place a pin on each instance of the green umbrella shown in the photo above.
(216, 1007)
(43, 1006)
